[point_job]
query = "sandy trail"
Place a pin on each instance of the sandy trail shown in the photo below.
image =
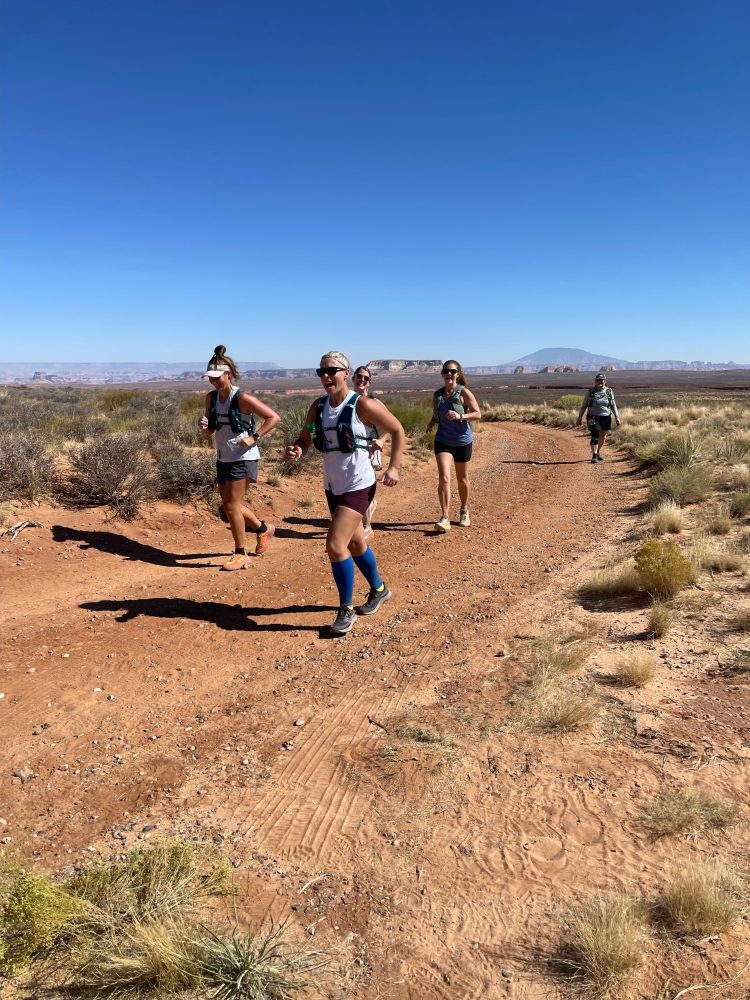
(144, 687)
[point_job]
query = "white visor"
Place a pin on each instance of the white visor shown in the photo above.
(216, 372)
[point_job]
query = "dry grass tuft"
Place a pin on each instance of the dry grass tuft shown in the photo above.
(719, 524)
(660, 619)
(663, 568)
(635, 670)
(605, 940)
(545, 705)
(667, 519)
(683, 484)
(739, 504)
(707, 899)
(679, 812)
(621, 581)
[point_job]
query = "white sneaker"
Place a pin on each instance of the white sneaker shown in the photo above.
(464, 520)
(443, 525)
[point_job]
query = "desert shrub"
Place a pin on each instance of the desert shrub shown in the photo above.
(683, 484)
(663, 568)
(546, 705)
(734, 449)
(719, 524)
(668, 518)
(703, 900)
(681, 812)
(660, 619)
(568, 402)
(36, 914)
(739, 504)
(27, 470)
(605, 941)
(110, 471)
(112, 400)
(705, 554)
(635, 670)
(182, 475)
(258, 967)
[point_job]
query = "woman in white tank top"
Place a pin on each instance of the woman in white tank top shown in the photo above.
(231, 415)
(337, 424)
(362, 379)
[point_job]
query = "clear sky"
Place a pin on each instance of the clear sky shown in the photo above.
(395, 178)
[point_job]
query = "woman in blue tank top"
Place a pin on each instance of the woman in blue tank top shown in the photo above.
(454, 406)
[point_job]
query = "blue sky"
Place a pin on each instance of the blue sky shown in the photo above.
(406, 178)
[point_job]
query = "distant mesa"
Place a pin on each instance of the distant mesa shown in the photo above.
(399, 365)
(558, 369)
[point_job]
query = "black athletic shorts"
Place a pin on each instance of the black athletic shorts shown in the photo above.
(230, 471)
(460, 452)
(597, 424)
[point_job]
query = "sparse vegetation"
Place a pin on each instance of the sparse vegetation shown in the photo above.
(719, 524)
(740, 622)
(739, 504)
(635, 670)
(684, 485)
(663, 568)
(605, 941)
(680, 812)
(707, 899)
(546, 705)
(140, 928)
(668, 518)
(27, 468)
(111, 471)
(613, 581)
(660, 619)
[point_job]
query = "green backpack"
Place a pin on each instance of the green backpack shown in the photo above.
(455, 402)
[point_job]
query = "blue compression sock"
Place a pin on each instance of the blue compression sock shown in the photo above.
(368, 566)
(343, 574)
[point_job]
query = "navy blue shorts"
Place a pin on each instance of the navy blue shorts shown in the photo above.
(460, 452)
(231, 471)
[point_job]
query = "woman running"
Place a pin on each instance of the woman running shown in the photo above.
(231, 413)
(362, 379)
(337, 425)
(599, 406)
(453, 407)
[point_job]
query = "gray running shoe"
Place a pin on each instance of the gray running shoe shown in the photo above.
(374, 599)
(599, 457)
(344, 622)
(594, 459)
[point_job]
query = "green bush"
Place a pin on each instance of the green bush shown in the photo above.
(568, 402)
(35, 915)
(663, 568)
(684, 485)
(413, 417)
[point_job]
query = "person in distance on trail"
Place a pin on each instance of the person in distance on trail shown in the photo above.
(231, 413)
(599, 406)
(362, 379)
(453, 407)
(337, 425)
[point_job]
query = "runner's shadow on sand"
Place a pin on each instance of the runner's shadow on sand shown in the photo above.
(409, 526)
(230, 617)
(127, 548)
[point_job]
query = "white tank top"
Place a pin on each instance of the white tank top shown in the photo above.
(345, 473)
(226, 448)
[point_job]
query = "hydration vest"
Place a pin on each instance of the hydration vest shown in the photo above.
(610, 398)
(347, 441)
(455, 402)
(238, 420)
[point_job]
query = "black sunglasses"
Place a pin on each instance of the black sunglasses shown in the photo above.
(449, 371)
(320, 372)
(361, 378)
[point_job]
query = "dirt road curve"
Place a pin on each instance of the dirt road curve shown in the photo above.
(142, 686)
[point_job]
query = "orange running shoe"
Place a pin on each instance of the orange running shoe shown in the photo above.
(264, 540)
(238, 561)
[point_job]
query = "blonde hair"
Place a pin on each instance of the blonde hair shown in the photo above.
(341, 359)
(220, 358)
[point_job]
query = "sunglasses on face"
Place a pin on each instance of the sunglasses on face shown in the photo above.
(449, 371)
(330, 372)
(361, 378)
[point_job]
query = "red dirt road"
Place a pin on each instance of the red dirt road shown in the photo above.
(142, 687)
